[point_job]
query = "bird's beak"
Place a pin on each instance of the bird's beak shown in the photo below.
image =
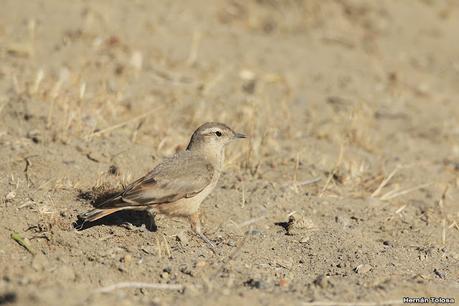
(239, 135)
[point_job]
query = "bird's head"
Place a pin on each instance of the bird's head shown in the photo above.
(213, 135)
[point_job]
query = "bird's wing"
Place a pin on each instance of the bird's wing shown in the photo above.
(181, 176)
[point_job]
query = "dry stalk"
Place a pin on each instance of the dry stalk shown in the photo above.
(385, 181)
(121, 124)
(139, 285)
(330, 177)
(394, 193)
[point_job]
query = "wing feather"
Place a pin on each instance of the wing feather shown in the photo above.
(181, 176)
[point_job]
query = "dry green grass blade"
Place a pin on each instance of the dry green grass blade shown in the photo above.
(21, 240)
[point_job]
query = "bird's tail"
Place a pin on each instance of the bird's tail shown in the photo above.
(97, 213)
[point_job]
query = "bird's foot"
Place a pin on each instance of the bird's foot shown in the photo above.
(196, 226)
(208, 241)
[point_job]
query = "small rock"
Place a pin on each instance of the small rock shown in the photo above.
(149, 249)
(165, 275)
(34, 135)
(283, 283)
(185, 269)
(343, 220)
(114, 170)
(254, 232)
(439, 273)
(127, 259)
(63, 213)
(182, 238)
(8, 298)
(255, 284)
(297, 224)
(231, 243)
(363, 268)
(201, 264)
(322, 281)
(10, 196)
(387, 243)
(305, 239)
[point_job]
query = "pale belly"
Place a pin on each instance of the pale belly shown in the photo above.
(186, 206)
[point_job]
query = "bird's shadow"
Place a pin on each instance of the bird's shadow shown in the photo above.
(120, 218)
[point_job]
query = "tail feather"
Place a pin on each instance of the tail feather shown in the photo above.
(96, 214)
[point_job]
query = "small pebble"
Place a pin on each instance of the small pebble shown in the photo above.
(255, 284)
(363, 268)
(439, 273)
(182, 238)
(322, 281)
(201, 264)
(10, 196)
(283, 283)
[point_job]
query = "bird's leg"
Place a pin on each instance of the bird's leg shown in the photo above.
(151, 226)
(196, 227)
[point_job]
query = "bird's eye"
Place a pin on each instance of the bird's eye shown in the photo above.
(218, 133)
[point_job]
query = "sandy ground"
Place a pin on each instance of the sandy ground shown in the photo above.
(346, 191)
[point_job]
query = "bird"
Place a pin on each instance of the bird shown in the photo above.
(176, 186)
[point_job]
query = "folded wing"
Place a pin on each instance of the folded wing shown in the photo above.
(180, 176)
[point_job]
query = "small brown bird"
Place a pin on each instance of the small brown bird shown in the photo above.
(178, 184)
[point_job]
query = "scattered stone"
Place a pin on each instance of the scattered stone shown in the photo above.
(8, 298)
(343, 220)
(201, 264)
(122, 268)
(322, 281)
(439, 273)
(254, 232)
(114, 170)
(34, 135)
(249, 81)
(363, 268)
(231, 243)
(283, 283)
(185, 269)
(182, 237)
(387, 243)
(149, 249)
(10, 196)
(305, 239)
(255, 284)
(165, 275)
(297, 224)
(127, 259)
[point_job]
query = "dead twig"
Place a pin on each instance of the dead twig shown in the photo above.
(330, 177)
(308, 182)
(393, 194)
(139, 285)
(385, 181)
(121, 124)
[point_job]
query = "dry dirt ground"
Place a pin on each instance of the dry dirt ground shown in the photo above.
(346, 191)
